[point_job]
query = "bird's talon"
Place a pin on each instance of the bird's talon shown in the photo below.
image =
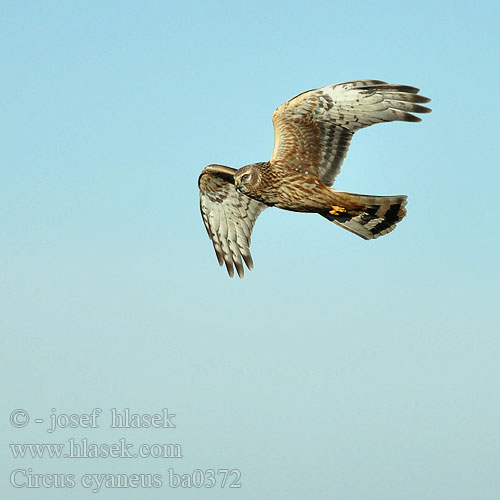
(337, 210)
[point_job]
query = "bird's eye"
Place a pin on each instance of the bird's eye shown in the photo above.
(245, 177)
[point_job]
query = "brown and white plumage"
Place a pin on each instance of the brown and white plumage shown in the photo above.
(314, 129)
(313, 132)
(229, 217)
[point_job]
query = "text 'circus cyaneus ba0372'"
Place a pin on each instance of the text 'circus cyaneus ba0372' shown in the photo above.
(312, 133)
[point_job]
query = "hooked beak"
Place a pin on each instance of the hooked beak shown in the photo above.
(236, 185)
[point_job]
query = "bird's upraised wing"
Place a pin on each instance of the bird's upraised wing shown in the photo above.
(229, 217)
(312, 131)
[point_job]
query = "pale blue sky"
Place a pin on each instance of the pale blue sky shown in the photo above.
(338, 368)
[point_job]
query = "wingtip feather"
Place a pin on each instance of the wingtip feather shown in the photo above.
(408, 117)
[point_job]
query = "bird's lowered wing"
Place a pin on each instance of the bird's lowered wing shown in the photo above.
(229, 217)
(312, 131)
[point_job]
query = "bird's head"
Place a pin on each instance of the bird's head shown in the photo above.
(247, 179)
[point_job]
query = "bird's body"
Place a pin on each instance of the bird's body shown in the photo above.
(312, 134)
(274, 188)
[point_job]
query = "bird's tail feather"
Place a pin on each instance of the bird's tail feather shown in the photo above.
(377, 215)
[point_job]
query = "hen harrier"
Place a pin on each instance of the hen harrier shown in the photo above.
(312, 133)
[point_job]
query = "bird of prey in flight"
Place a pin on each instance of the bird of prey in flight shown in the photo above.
(312, 133)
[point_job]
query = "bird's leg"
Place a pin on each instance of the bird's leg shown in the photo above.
(336, 210)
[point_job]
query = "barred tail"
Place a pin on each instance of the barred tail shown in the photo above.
(379, 214)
